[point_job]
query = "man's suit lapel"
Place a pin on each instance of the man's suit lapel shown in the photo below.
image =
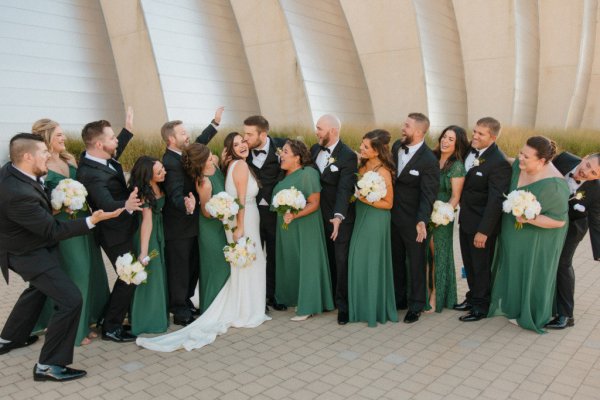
(491, 152)
(413, 160)
(37, 186)
(335, 155)
(105, 168)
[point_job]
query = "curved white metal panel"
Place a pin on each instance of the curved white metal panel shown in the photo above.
(56, 62)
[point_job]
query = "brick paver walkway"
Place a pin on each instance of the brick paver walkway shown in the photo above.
(437, 357)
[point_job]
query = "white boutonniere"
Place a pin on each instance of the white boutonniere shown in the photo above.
(331, 160)
(278, 151)
(578, 195)
(478, 161)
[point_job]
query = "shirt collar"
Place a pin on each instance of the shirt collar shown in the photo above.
(482, 150)
(332, 147)
(175, 151)
(414, 147)
(266, 146)
(35, 178)
(98, 160)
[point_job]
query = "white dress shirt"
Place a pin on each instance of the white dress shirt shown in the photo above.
(404, 157)
(99, 161)
(323, 157)
(573, 185)
(471, 158)
(259, 159)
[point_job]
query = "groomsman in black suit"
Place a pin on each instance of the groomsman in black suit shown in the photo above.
(415, 190)
(486, 182)
(29, 235)
(181, 219)
(102, 175)
(583, 178)
(337, 164)
(264, 161)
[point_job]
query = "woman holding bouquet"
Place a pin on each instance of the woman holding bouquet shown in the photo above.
(450, 151)
(80, 255)
(370, 276)
(201, 165)
(526, 260)
(149, 309)
(302, 277)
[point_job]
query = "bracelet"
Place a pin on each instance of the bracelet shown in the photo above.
(214, 122)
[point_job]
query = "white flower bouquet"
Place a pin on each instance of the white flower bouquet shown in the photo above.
(443, 213)
(240, 254)
(130, 271)
(521, 203)
(288, 200)
(224, 207)
(370, 186)
(69, 196)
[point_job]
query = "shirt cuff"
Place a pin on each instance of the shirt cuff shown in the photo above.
(88, 221)
(338, 215)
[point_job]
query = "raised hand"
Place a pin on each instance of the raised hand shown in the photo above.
(133, 203)
(99, 215)
(190, 203)
(129, 119)
(219, 114)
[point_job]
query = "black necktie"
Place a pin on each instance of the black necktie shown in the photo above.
(475, 151)
(573, 176)
(41, 182)
(323, 148)
(257, 152)
(405, 148)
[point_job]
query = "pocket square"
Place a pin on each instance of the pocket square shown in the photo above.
(333, 168)
(478, 173)
(579, 207)
(414, 172)
(263, 202)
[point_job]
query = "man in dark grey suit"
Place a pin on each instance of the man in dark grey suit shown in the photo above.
(29, 235)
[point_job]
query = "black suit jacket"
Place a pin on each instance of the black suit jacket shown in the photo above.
(416, 188)
(565, 162)
(27, 227)
(483, 193)
(337, 183)
(107, 190)
(270, 173)
(178, 184)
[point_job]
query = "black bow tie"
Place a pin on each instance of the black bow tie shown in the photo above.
(405, 148)
(573, 176)
(257, 152)
(323, 148)
(475, 151)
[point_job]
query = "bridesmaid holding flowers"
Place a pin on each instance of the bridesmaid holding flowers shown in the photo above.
(302, 277)
(370, 276)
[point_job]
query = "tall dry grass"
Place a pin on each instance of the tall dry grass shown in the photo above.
(576, 141)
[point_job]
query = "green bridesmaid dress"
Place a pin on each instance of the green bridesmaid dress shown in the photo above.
(149, 309)
(81, 259)
(302, 277)
(214, 270)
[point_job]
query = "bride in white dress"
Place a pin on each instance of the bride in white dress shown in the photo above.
(241, 301)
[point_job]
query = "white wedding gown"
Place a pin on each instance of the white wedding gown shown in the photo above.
(241, 301)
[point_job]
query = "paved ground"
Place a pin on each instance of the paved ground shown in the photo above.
(438, 357)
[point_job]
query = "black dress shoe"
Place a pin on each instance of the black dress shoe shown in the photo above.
(57, 373)
(118, 335)
(276, 306)
(183, 321)
(342, 318)
(560, 322)
(411, 317)
(195, 311)
(464, 306)
(6, 347)
(472, 316)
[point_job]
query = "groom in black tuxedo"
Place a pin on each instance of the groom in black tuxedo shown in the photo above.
(181, 219)
(29, 235)
(486, 182)
(337, 164)
(583, 178)
(264, 162)
(415, 190)
(102, 175)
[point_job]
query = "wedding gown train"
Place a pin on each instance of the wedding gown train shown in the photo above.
(241, 301)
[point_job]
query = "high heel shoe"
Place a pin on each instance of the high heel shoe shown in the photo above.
(299, 318)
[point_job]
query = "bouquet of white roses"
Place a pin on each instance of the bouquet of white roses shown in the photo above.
(288, 200)
(370, 186)
(69, 196)
(240, 254)
(443, 213)
(130, 271)
(224, 207)
(521, 203)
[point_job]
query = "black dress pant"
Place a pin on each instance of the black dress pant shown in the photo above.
(122, 293)
(565, 275)
(268, 229)
(478, 264)
(183, 270)
(337, 254)
(62, 328)
(406, 251)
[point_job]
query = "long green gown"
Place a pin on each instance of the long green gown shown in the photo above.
(149, 309)
(302, 277)
(370, 275)
(81, 259)
(443, 257)
(214, 270)
(526, 260)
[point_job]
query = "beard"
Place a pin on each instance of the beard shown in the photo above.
(325, 140)
(406, 140)
(110, 152)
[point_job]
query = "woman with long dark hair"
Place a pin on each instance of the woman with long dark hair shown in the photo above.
(441, 275)
(149, 310)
